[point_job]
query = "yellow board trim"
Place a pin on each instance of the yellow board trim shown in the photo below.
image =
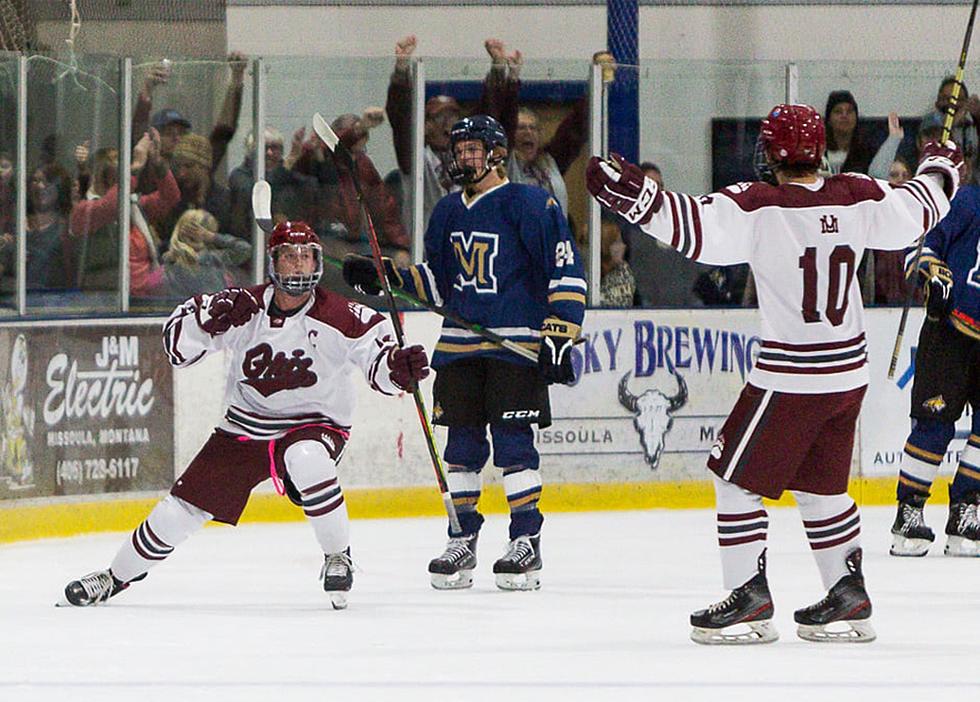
(37, 521)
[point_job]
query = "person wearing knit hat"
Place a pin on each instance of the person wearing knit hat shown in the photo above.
(193, 150)
(846, 150)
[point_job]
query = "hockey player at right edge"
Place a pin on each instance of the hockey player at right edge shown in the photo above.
(792, 427)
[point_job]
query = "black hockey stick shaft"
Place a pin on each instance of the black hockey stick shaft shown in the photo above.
(493, 337)
(947, 130)
(330, 140)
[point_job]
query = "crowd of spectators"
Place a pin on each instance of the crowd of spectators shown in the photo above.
(191, 228)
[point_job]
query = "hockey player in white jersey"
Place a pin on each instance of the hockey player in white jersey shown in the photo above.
(792, 427)
(289, 400)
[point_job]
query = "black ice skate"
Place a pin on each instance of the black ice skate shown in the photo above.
(910, 535)
(94, 589)
(963, 528)
(744, 617)
(338, 576)
(453, 570)
(843, 616)
(520, 567)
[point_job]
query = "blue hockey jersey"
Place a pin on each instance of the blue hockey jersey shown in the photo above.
(955, 241)
(505, 260)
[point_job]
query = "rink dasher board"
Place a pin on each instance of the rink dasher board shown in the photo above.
(592, 457)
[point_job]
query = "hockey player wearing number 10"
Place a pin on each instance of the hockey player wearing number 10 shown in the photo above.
(793, 425)
(289, 399)
(498, 254)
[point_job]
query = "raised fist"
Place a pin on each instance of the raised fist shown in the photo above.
(622, 187)
(226, 309)
(945, 160)
(406, 367)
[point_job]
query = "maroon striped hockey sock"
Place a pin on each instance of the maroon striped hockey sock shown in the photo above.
(743, 525)
(169, 524)
(833, 527)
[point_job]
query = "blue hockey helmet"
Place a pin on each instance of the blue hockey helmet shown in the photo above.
(482, 128)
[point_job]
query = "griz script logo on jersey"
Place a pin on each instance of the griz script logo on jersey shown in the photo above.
(652, 414)
(269, 372)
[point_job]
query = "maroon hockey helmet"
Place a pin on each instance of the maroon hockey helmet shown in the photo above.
(294, 234)
(793, 135)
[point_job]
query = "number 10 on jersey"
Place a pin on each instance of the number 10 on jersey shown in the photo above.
(841, 274)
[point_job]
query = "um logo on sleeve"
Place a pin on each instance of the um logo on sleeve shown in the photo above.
(476, 253)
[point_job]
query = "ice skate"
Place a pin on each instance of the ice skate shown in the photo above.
(453, 570)
(963, 528)
(910, 535)
(843, 616)
(744, 617)
(520, 567)
(94, 589)
(338, 576)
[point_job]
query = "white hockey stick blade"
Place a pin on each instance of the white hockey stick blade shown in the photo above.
(326, 134)
(262, 205)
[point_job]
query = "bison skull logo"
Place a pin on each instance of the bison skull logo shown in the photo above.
(652, 414)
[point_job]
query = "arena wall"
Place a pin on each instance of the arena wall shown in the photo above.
(593, 456)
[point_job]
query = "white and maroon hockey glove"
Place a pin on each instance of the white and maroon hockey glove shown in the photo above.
(408, 366)
(945, 160)
(622, 187)
(226, 309)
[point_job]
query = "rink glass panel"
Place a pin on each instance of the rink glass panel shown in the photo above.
(198, 90)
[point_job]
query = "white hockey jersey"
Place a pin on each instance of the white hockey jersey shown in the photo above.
(804, 244)
(289, 371)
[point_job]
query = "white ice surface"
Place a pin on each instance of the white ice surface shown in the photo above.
(237, 614)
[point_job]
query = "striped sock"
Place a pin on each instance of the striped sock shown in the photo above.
(919, 468)
(464, 487)
(833, 528)
(967, 478)
(169, 524)
(324, 506)
(523, 488)
(743, 525)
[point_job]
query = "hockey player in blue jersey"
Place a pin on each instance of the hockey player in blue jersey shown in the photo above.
(498, 254)
(947, 377)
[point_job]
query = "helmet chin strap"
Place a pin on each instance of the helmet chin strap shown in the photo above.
(488, 166)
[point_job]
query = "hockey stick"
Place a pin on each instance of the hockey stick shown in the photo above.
(261, 197)
(947, 130)
(330, 140)
(493, 337)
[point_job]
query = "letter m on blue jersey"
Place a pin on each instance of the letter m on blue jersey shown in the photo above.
(476, 253)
